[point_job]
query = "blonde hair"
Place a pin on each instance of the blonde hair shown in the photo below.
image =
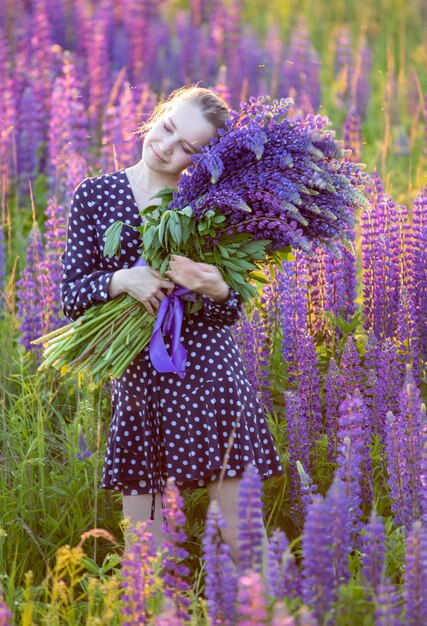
(212, 106)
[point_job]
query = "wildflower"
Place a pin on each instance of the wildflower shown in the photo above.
(221, 576)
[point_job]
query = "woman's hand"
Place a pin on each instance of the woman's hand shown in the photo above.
(144, 284)
(198, 277)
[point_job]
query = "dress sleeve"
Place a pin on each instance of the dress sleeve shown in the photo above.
(83, 284)
(224, 313)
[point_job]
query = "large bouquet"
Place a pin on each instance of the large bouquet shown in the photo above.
(264, 185)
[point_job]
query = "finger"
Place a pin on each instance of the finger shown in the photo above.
(160, 295)
(166, 284)
(148, 307)
(156, 273)
(155, 303)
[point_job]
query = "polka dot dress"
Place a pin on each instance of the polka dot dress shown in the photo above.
(162, 425)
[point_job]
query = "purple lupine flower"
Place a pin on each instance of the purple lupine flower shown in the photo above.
(334, 394)
(231, 45)
(50, 266)
(282, 575)
(308, 382)
(168, 616)
(374, 386)
(251, 530)
(136, 24)
(72, 169)
(5, 614)
(316, 284)
(2, 267)
(301, 68)
(252, 606)
(8, 119)
(381, 255)
(415, 576)
(308, 486)
(297, 428)
(174, 566)
(360, 89)
(246, 156)
(68, 123)
(243, 333)
(340, 518)
(41, 66)
(350, 366)
(352, 135)
(139, 579)
(407, 333)
(221, 575)
(354, 462)
(341, 285)
(293, 311)
(274, 47)
(30, 296)
(220, 87)
(387, 605)
(343, 65)
(318, 573)
(192, 41)
(29, 140)
(423, 474)
(272, 303)
(262, 351)
(98, 76)
(84, 451)
(391, 375)
(419, 263)
(406, 436)
(373, 552)
(343, 51)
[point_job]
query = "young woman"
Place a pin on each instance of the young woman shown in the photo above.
(163, 425)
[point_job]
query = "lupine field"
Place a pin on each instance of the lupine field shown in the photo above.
(335, 348)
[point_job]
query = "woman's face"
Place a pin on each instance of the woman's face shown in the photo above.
(175, 137)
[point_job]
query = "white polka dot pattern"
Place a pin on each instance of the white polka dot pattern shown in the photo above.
(162, 425)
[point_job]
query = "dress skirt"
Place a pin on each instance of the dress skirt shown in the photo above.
(164, 426)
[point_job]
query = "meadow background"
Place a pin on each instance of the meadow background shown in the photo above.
(336, 349)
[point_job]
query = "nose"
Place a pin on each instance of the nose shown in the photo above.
(166, 145)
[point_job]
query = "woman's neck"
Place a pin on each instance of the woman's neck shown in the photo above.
(148, 181)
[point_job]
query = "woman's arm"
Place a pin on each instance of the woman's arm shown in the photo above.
(83, 283)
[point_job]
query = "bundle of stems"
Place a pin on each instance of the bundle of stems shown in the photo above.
(114, 331)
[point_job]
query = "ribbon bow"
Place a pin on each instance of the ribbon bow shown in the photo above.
(168, 324)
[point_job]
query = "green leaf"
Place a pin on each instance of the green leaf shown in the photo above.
(348, 245)
(163, 226)
(175, 228)
(164, 265)
(218, 219)
(238, 278)
(148, 236)
(224, 252)
(112, 239)
(259, 277)
(238, 264)
(188, 211)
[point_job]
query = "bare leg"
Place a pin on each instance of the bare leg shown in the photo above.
(227, 497)
(138, 508)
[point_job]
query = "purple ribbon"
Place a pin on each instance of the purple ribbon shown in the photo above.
(168, 324)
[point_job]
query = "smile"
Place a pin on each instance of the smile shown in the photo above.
(157, 156)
